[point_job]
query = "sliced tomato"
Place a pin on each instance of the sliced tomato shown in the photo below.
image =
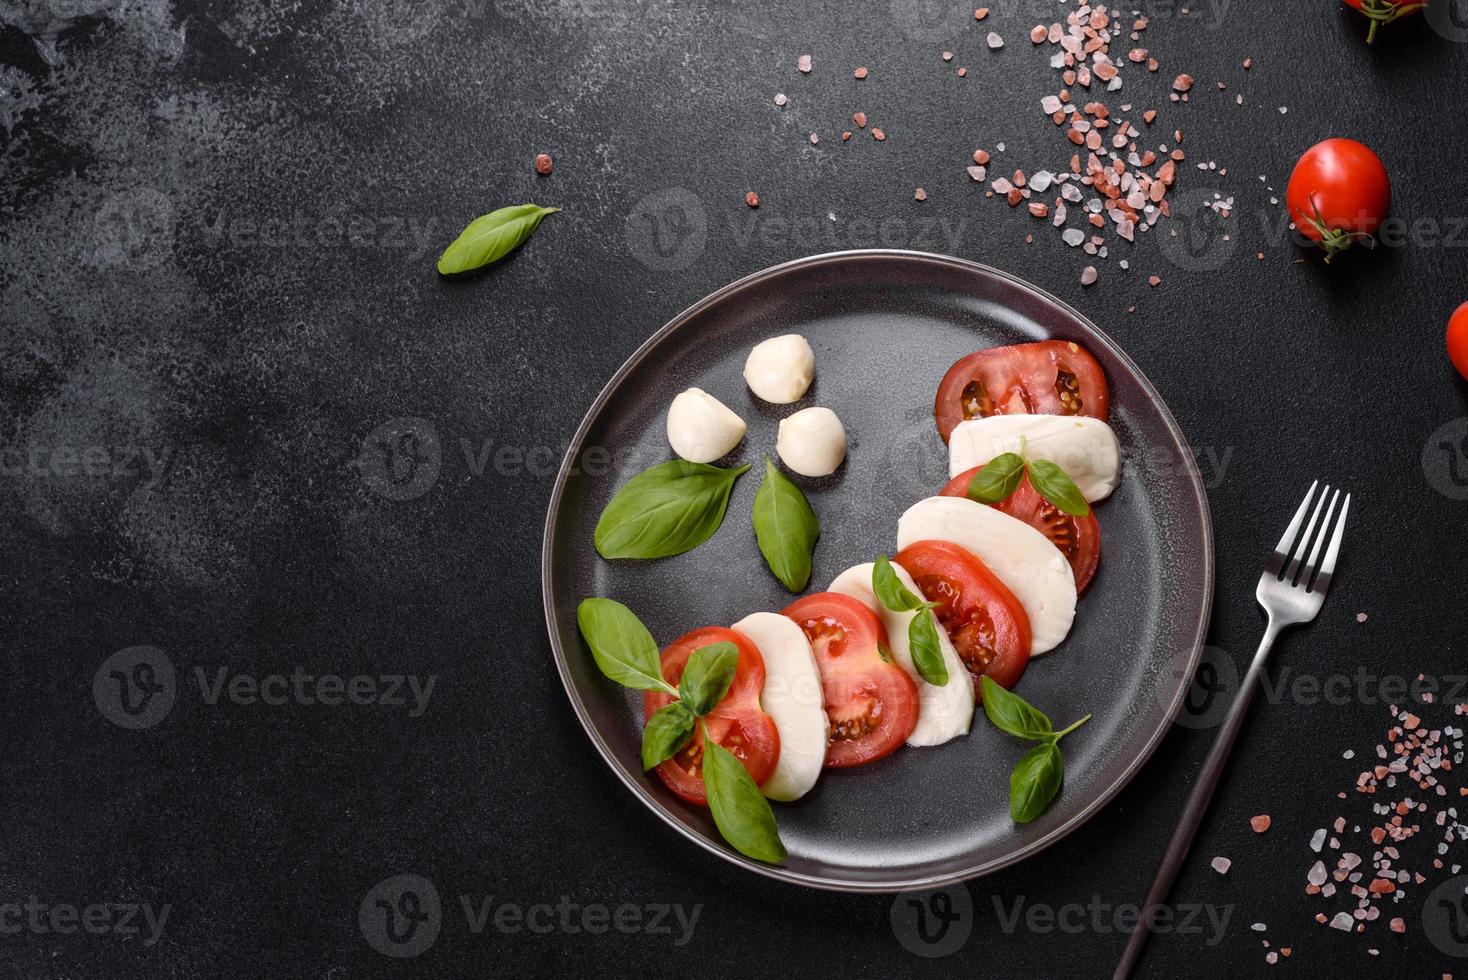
(987, 624)
(1078, 538)
(1051, 377)
(872, 703)
(737, 723)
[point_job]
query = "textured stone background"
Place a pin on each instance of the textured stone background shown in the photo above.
(218, 223)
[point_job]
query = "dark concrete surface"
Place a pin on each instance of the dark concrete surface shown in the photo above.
(218, 224)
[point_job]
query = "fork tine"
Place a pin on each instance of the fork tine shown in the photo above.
(1282, 550)
(1299, 553)
(1311, 566)
(1322, 581)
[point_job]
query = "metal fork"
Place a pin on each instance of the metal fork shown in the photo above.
(1291, 590)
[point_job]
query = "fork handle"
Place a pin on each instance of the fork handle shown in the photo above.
(1198, 801)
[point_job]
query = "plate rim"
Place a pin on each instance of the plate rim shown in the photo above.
(827, 883)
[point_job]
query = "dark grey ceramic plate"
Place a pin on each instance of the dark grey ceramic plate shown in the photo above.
(885, 325)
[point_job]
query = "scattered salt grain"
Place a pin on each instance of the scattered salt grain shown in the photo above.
(995, 41)
(1221, 865)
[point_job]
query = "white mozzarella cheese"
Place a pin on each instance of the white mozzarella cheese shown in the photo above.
(1085, 448)
(1022, 558)
(793, 698)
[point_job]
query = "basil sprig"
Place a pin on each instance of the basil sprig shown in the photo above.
(890, 591)
(490, 237)
(707, 676)
(623, 648)
(1037, 777)
(666, 732)
(1035, 782)
(706, 679)
(997, 479)
(666, 510)
(625, 652)
(785, 527)
(1000, 477)
(740, 810)
(922, 630)
(1051, 482)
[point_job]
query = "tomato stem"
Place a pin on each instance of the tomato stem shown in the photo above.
(1383, 12)
(1335, 240)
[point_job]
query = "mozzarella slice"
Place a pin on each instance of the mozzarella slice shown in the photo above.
(943, 712)
(792, 696)
(1023, 559)
(1085, 448)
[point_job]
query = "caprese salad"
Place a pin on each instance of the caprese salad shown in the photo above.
(986, 574)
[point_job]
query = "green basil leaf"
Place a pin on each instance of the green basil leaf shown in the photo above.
(740, 810)
(1013, 714)
(707, 676)
(491, 237)
(1035, 781)
(785, 527)
(997, 479)
(889, 589)
(666, 510)
(623, 648)
(927, 652)
(1051, 482)
(667, 731)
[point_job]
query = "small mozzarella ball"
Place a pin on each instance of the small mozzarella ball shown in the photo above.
(701, 428)
(812, 442)
(780, 369)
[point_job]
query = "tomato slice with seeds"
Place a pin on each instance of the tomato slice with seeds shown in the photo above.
(737, 723)
(1050, 377)
(987, 624)
(1077, 538)
(872, 703)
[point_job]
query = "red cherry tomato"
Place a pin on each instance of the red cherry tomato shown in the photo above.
(1339, 194)
(1381, 12)
(872, 703)
(1458, 339)
(1078, 538)
(987, 624)
(737, 723)
(1048, 377)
